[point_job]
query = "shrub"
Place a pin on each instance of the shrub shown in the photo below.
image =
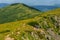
(5, 31)
(34, 24)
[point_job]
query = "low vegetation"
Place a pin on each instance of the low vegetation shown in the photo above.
(34, 26)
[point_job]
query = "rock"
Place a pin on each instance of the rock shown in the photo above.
(8, 37)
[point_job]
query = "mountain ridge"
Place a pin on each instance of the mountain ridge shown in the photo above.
(17, 12)
(18, 22)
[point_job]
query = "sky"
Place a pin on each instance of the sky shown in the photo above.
(33, 2)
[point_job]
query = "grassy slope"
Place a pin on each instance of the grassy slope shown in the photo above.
(46, 21)
(17, 12)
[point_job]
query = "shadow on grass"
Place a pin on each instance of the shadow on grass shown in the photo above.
(4, 31)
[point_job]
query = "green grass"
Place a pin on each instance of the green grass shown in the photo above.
(26, 28)
(17, 12)
(24, 20)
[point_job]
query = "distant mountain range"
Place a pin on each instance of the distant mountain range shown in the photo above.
(39, 7)
(45, 8)
(3, 5)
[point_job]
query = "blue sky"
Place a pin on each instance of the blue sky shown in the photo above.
(33, 2)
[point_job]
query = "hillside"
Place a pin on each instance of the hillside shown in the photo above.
(18, 11)
(46, 26)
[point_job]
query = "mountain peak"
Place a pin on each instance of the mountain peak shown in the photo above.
(18, 11)
(24, 5)
(17, 4)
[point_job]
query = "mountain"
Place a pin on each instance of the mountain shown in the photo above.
(45, 8)
(17, 11)
(58, 5)
(21, 22)
(3, 4)
(45, 26)
(39, 7)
